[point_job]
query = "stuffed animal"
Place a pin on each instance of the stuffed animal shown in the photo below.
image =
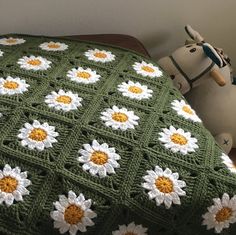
(203, 73)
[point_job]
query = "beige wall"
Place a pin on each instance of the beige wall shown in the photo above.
(157, 23)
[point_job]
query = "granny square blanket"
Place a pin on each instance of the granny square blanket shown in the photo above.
(94, 139)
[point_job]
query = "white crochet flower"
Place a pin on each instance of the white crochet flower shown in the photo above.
(131, 229)
(221, 214)
(99, 159)
(11, 41)
(1, 53)
(147, 69)
(37, 136)
(135, 90)
(81, 75)
(13, 184)
(177, 140)
(34, 63)
(164, 186)
(229, 163)
(100, 55)
(183, 109)
(12, 86)
(119, 118)
(53, 46)
(62, 100)
(72, 213)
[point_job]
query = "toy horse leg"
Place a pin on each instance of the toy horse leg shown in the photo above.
(225, 140)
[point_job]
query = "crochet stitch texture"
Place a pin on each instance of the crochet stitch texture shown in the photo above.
(96, 140)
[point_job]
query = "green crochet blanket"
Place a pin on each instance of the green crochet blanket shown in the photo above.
(95, 140)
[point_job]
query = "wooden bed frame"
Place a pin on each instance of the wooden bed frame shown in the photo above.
(120, 40)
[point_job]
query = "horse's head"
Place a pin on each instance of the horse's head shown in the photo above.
(216, 55)
(189, 66)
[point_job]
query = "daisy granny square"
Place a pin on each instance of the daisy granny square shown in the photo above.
(95, 140)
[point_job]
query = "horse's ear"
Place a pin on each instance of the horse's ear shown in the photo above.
(189, 41)
(212, 54)
(193, 34)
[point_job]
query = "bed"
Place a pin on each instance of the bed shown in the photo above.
(96, 140)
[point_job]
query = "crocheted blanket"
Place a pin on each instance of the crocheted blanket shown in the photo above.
(95, 140)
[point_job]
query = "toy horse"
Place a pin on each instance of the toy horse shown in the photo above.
(203, 73)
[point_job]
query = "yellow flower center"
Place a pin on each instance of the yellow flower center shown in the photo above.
(100, 55)
(135, 89)
(53, 45)
(11, 40)
(148, 69)
(38, 134)
(10, 85)
(8, 184)
(64, 99)
(73, 214)
(187, 109)
(178, 139)
(164, 184)
(84, 75)
(99, 157)
(224, 214)
(119, 117)
(34, 62)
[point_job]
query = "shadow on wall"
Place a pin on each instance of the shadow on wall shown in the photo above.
(156, 43)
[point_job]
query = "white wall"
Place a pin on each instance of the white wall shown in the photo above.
(157, 23)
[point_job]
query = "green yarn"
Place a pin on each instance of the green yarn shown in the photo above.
(119, 198)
